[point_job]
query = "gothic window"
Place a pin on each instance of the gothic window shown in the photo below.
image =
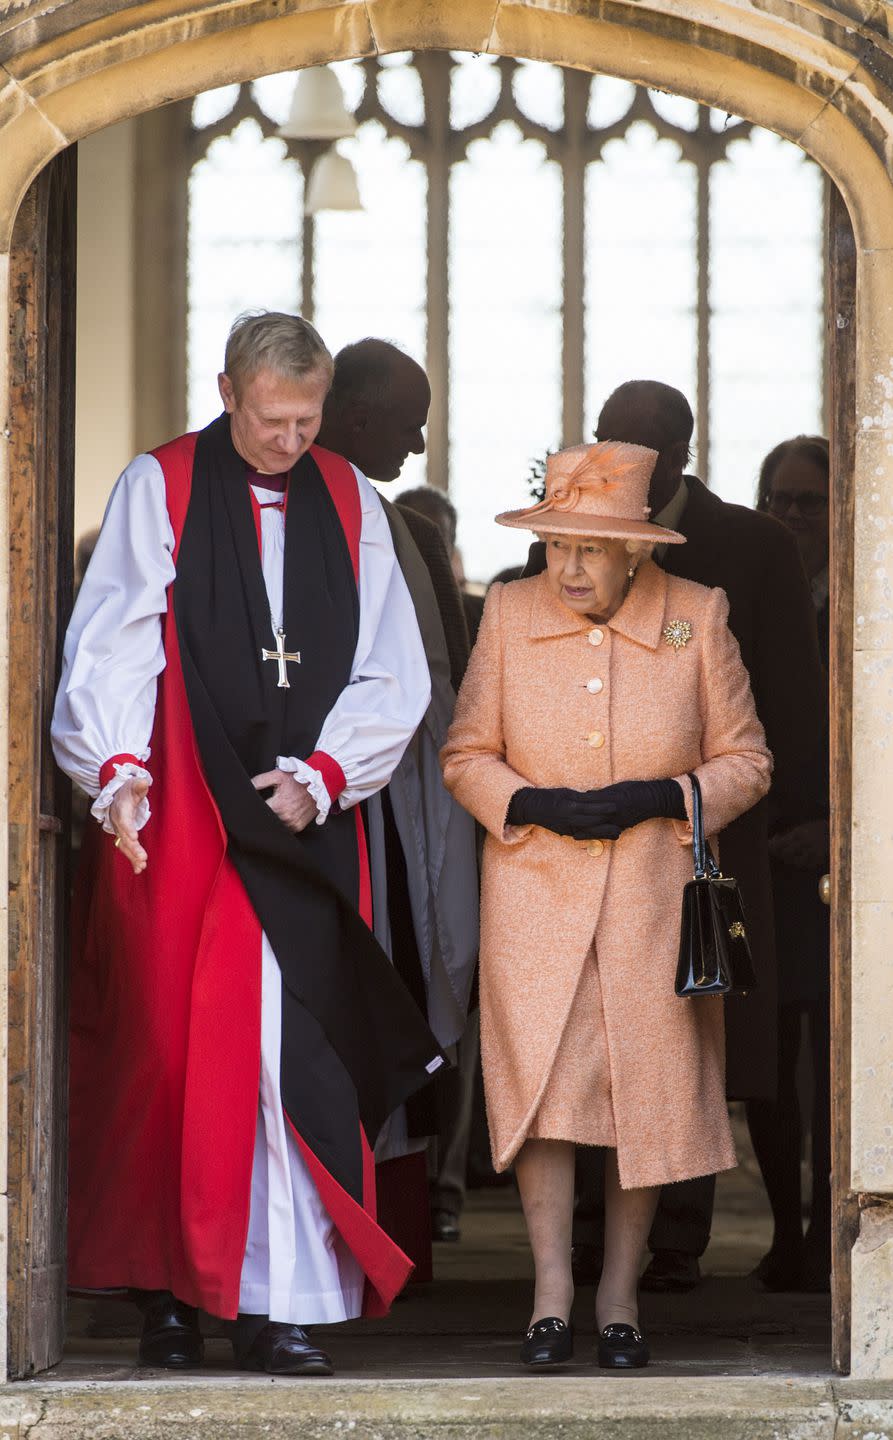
(535, 236)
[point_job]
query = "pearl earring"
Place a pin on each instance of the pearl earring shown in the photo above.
(631, 572)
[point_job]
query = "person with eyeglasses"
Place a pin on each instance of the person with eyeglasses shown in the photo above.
(794, 488)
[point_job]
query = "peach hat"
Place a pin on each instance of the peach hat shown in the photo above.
(596, 490)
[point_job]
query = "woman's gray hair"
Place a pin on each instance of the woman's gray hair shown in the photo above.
(641, 548)
(269, 340)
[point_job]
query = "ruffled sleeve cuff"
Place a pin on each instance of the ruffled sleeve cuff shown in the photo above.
(321, 774)
(112, 776)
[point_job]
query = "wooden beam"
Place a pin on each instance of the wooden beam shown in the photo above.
(41, 510)
(841, 312)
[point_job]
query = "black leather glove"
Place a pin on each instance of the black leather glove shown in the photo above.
(632, 801)
(578, 813)
(598, 814)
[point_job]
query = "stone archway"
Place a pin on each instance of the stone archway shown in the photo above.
(821, 77)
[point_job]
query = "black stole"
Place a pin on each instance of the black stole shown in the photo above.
(354, 1044)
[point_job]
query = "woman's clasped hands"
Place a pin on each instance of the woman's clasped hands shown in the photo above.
(597, 814)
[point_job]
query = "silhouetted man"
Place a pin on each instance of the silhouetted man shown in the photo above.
(422, 843)
(375, 413)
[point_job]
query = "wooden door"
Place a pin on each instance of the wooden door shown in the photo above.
(842, 357)
(42, 355)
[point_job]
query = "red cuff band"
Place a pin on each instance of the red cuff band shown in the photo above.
(331, 772)
(107, 772)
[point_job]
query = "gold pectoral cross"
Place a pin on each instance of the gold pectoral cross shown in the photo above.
(281, 655)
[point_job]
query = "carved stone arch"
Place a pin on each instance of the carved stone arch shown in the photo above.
(819, 74)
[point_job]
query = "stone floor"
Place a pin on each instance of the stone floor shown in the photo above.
(467, 1323)
(730, 1363)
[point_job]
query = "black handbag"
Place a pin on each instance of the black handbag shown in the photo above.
(714, 951)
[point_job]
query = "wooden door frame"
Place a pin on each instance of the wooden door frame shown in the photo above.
(841, 347)
(41, 495)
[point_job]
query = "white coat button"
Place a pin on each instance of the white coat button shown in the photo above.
(595, 847)
(596, 739)
(596, 636)
(595, 685)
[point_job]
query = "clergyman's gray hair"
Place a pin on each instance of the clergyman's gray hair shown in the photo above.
(269, 340)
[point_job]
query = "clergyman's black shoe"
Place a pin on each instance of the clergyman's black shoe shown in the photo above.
(622, 1347)
(286, 1350)
(548, 1342)
(171, 1338)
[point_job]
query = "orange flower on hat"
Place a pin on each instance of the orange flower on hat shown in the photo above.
(599, 472)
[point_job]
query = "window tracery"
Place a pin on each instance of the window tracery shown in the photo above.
(536, 235)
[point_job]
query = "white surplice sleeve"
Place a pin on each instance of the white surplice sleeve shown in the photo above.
(114, 653)
(377, 714)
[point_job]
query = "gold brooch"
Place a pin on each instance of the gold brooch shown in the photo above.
(736, 930)
(678, 633)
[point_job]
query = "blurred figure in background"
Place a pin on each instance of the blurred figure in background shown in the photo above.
(793, 486)
(437, 506)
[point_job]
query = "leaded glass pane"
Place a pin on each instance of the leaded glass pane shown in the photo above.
(504, 285)
(539, 91)
(370, 264)
(766, 301)
(474, 89)
(641, 271)
(505, 363)
(244, 249)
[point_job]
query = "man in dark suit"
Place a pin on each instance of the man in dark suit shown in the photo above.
(755, 560)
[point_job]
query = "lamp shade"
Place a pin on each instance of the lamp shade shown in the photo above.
(317, 108)
(333, 185)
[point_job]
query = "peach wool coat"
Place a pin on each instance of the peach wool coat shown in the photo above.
(552, 699)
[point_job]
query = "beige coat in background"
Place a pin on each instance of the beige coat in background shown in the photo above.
(531, 712)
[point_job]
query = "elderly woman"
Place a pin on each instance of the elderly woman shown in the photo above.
(594, 690)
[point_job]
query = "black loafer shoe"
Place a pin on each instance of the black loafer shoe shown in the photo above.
(171, 1338)
(671, 1272)
(621, 1347)
(445, 1226)
(548, 1342)
(286, 1350)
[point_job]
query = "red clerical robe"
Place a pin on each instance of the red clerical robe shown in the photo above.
(166, 1021)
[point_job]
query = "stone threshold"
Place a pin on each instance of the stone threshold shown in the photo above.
(603, 1407)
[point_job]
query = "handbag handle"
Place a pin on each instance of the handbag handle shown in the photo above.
(705, 865)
